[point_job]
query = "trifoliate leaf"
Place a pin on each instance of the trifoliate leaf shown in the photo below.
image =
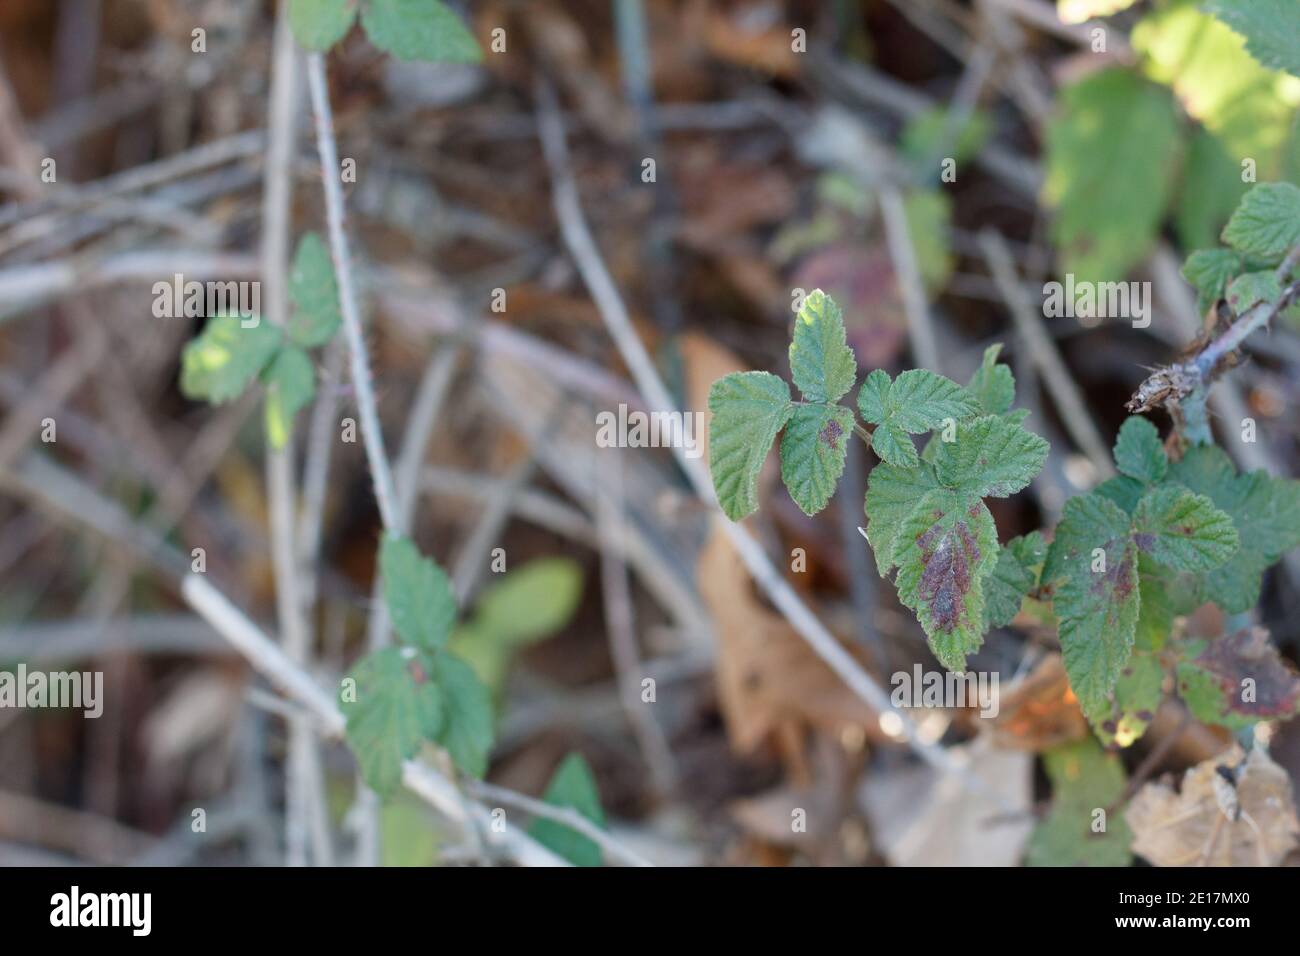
(749, 408)
(1106, 220)
(945, 548)
(226, 356)
(1014, 576)
(1085, 779)
(993, 386)
(1183, 530)
(1237, 680)
(1267, 223)
(1139, 452)
(572, 786)
(396, 706)
(821, 364)
(290, 384)
(812, 453)
(319, 24)
(1210, 271)
(1092, 567)
(314, 293)
(892, 494)
(990, 457)
(916, 402)
(467, 714)
(1271, 29)
(1252, 288)
(1137, 696)
(419, 30)
(418, 594)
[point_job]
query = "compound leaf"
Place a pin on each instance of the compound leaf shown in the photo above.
(572, 785)
(990, 457)
(221, 362)
(1183, 530)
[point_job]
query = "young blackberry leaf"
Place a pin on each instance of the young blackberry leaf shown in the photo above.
(1014, 576)
(1092, 567)
(419, 30)
(1210, 271)
(917, 401)
(467, 714)
(1266, 224)
(1237, 680)
(418, 594)
(812, 453)
(1137, 696)
(749, 408)
(396, 707)
(993, 386)
(319, 24)
(1271, 29)
(945, 548)
(1138, 451)
(572, 785)
(990, 457)
(221, 362)
(1183, 530)
(821, 364)
(315, 294)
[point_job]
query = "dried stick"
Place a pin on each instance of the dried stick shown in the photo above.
(920, 330)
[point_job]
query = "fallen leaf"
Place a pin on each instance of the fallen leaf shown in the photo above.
(1230, 811)
(1040, 711)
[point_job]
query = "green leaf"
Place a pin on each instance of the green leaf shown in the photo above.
(418, 594)
(749, 408)
(1271, 29)
(1247, 107)
(419, 30)
(1108, 157)
(1162, 595)
(221, 362)
(1139, 452)
(1095, 597)
(1183, 530)
(923, 138)
(290, 384)
(319, 24)
(892, 494)
(1237, 680)
(396, 707)
(1267, 222)
(467, 714)
(1014, 576)
(314, 293)
(1264, 510)
(1252, 288)
(820, 363)
(1210, 270)
(916, 402)
(1123, 490)
(531, 602)
(812, 453)
(990, 457)
(572, 785)
(929, 217)
(945, 548)
(1137, 697)
(1211, 188)
(1084, 779)
(993, 386)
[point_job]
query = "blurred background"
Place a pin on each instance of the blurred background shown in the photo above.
(929, 163)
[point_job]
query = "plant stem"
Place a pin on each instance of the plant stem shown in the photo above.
(359, 360)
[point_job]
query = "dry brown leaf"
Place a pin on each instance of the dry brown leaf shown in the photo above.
(1229, 812)
(1040, 711)
(752, 36)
